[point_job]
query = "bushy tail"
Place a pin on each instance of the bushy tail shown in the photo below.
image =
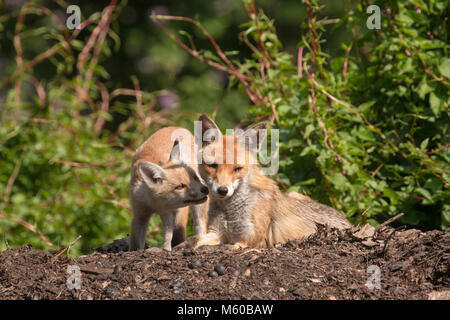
(298, 217)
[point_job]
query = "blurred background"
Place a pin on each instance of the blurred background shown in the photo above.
(74, 105)
(147, 53)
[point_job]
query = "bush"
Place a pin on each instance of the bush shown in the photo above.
(364, 129)
(65, 155)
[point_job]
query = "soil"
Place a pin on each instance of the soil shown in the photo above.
(331, 264)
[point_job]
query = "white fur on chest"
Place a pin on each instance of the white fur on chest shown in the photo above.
(232, 216)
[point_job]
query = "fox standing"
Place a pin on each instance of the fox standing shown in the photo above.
(162, 182)
(246, 208)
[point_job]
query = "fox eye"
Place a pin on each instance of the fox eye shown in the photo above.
(237, 169)
(180, 186)
(212, 165)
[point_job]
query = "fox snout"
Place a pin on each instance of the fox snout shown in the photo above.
(204, 190)
(223, 191)
(198, 196)
(201, 192)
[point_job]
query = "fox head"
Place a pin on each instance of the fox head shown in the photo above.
(228, 160)
(173, 184)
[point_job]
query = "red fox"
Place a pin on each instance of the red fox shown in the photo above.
(162, 182)
(247, 208)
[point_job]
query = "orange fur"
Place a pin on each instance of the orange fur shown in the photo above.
(253, 212)
(163, 181)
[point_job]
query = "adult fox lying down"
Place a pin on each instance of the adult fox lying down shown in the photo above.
(247, 208)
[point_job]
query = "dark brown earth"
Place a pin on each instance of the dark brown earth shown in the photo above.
(329, 265)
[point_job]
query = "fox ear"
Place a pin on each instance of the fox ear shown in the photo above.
(254, 136)
(151, 173)
(210, 131)
(175, 154)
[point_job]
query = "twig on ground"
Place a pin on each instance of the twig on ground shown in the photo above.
(67, 248)
(389, 221)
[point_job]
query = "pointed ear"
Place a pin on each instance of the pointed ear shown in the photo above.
(175, 154)
(151, 173)
(254, 136)
(210, 130)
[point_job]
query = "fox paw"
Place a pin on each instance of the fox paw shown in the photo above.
(190, 243)
(237, 245)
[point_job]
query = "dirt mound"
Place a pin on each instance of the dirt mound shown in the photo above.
(328, 265)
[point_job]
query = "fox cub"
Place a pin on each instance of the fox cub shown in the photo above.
(162, 182)
(246, 208)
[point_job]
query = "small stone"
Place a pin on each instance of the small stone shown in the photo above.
(111, 291)
(188, 253)
(175, 284)
(395, 266)
(176, 291)
(194, 264)
(117, 270)
(220, 269)
(213, 274)
(197, 263)
(234, 271)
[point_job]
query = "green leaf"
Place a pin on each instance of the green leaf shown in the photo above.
(294, 143)
(283, 109)
(424, 88)
(446, 216)
(391, 194)
(309, 128)
(425, 193)
(435, 104)
(424, 144)
(444, 68)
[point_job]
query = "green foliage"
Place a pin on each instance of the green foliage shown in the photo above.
(367, 129)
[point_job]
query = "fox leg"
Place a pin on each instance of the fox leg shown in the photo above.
(199, 219)
(139, 226)
(168, 220)
(180, 223)
(209, 239)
